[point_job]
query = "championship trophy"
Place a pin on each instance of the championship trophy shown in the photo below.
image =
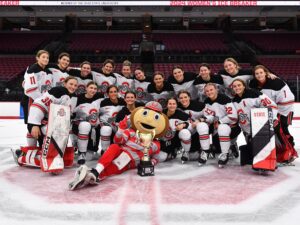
(145, 167)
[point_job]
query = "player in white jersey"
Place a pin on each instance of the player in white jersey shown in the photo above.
(104, 77)
(141, 83)
(220, 120)
(246, 99)
(195, 110)
(125, 81)
(205, 76)
(38, 116)
(86, 124)
(280, 93)
(83, 76)
(178, 135)
(109, 108)
(159, 89)
(59, 70)
(37, 80)
(181, 80)
(233, 71)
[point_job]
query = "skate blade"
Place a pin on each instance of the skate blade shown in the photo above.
(78, 181)
(15, 157)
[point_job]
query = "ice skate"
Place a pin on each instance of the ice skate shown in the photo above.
(234, 151)
(16, 154)
(184, 157)
(80, 175)
(81, 158)
(223, 159)
(203, 157)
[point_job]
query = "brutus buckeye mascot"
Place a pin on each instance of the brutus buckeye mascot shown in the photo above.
(127, 150)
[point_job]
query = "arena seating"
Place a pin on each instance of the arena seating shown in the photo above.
(10, 67)
(99, 42)
(192, 42)
(283, 67)
(23, 43)
(274, 43)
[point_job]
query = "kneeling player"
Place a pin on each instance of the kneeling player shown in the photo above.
(54, 145)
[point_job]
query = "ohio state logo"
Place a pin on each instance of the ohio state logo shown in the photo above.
(124, 87)
(61, 112)
(243, 118)
(169, 134)
(93, 116)
(80, 89)
(140, 93)
(103, 87)
(46, 86)
(112, 119)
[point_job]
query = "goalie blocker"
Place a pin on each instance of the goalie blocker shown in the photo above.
(260, 150)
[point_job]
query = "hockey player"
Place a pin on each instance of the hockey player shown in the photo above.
(59, 70)
(37, 80)
(159, 89)
(83, 76)
(131, 104)
(124, 81)
(86, 124)
(280, 93)
(220, 120)
(205, 76)
(141, 83)
(128, 149)
(37, 120)
(246, 99)
(181, 80)
(178, 135)
(105, 76)
(195, 110)
(109, 108)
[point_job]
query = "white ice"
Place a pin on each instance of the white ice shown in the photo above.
(177, 194)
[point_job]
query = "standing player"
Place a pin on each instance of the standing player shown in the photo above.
(59, 70)
(124, 80)
(160, 89)
(105, 76)
(181, 80)
(109, 108)
(83, 76)
(37, 80)
(280, 93)
(141, 83)
(205, 76)
(220, 120)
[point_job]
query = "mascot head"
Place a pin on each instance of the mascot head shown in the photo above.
(148, 118)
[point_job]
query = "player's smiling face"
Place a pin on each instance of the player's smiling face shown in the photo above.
(113, 93)
(172, 105)
(139, 74)
(43, 60)
(91, 90)
(184, 99)
(178, 74)
(260, 75)
(64, 62)
(158, 80)
(230, 67)
(126, 71)
(107, 68)
(130, 99)
(211, 92)
(85, 70)
(238, 87)
(204, 72)
(71, 85)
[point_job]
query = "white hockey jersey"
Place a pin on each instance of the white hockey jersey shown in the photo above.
(279, 92)
(58, 75)
(162, 95)
(194, 110)
(243, 74)
(221, 110)
(252, 99)
(140, 87)
(103, 80)
(37, 81)
(124, 84)
(88, 109)
(40, 107)
(186, 84)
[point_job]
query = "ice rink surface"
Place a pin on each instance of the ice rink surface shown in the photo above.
(177, 194)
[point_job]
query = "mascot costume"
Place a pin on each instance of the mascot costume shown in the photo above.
(128, 149)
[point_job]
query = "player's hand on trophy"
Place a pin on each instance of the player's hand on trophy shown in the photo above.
(36, 132)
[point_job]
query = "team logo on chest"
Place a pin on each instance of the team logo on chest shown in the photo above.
(124, 87)
(93, 116)
(140, 93)
(243, 118)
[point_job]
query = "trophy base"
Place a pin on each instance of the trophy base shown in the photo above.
(145, 168)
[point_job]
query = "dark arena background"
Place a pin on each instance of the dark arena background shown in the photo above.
(155, 35)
